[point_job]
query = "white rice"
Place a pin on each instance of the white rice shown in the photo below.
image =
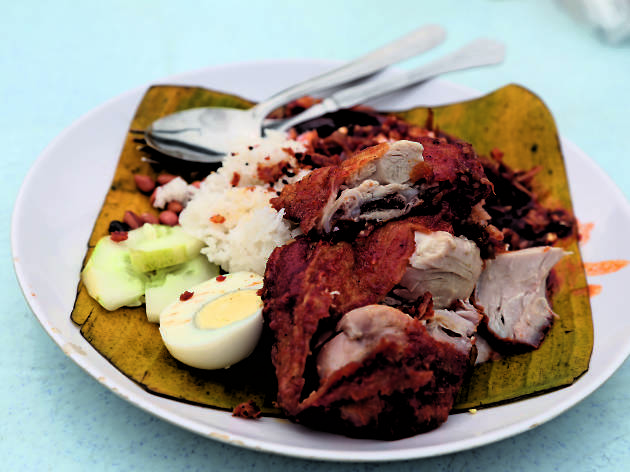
(237, 223)
(266, 151)
(177, 189)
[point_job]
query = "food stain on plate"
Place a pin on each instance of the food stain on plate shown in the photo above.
(597, 268)
(584, 231)
(70, 348)
(605, 267)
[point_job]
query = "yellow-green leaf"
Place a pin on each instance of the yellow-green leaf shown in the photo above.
(511, 119)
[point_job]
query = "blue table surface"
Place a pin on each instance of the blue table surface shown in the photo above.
(60, 59)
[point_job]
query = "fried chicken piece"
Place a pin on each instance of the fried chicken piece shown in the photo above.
(512, 291)
(457, 326)
(444, 265)
(384, 376)
(388, 181)
(309, 286)
(360, 332)
(309, 283)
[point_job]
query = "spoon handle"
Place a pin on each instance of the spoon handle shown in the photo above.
(479, 52)
(410, 45)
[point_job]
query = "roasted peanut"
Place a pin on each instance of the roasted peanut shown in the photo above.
(175, 207)
(133, 220)
(149, 218)
(163, 179)
(168, 217)
(144, 183)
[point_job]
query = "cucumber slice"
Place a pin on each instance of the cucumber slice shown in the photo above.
(110, 278)
(168, 284)
(153, 258)
(154, 247)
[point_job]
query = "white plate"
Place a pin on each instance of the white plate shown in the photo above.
(63, 192)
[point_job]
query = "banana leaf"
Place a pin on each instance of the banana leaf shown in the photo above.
(512, 119)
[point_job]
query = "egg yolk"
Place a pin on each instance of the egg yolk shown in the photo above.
(228, 309)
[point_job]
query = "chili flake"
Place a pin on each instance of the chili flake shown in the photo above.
(119, 236)
(186, 296)
(248, 410)
(218, 219)
(604, 267)
(235, 179)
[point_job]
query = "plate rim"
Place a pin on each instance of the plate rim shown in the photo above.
(133, 394)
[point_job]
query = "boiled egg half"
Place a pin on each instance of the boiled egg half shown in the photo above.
(216, 323)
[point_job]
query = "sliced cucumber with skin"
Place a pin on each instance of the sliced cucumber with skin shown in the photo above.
(110, 277)
(117, 273)
(166, 285)
(159, 246)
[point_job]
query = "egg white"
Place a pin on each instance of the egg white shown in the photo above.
(213, 348)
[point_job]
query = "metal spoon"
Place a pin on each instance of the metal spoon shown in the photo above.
(480, 52)
(207, 134)
(191, 146)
